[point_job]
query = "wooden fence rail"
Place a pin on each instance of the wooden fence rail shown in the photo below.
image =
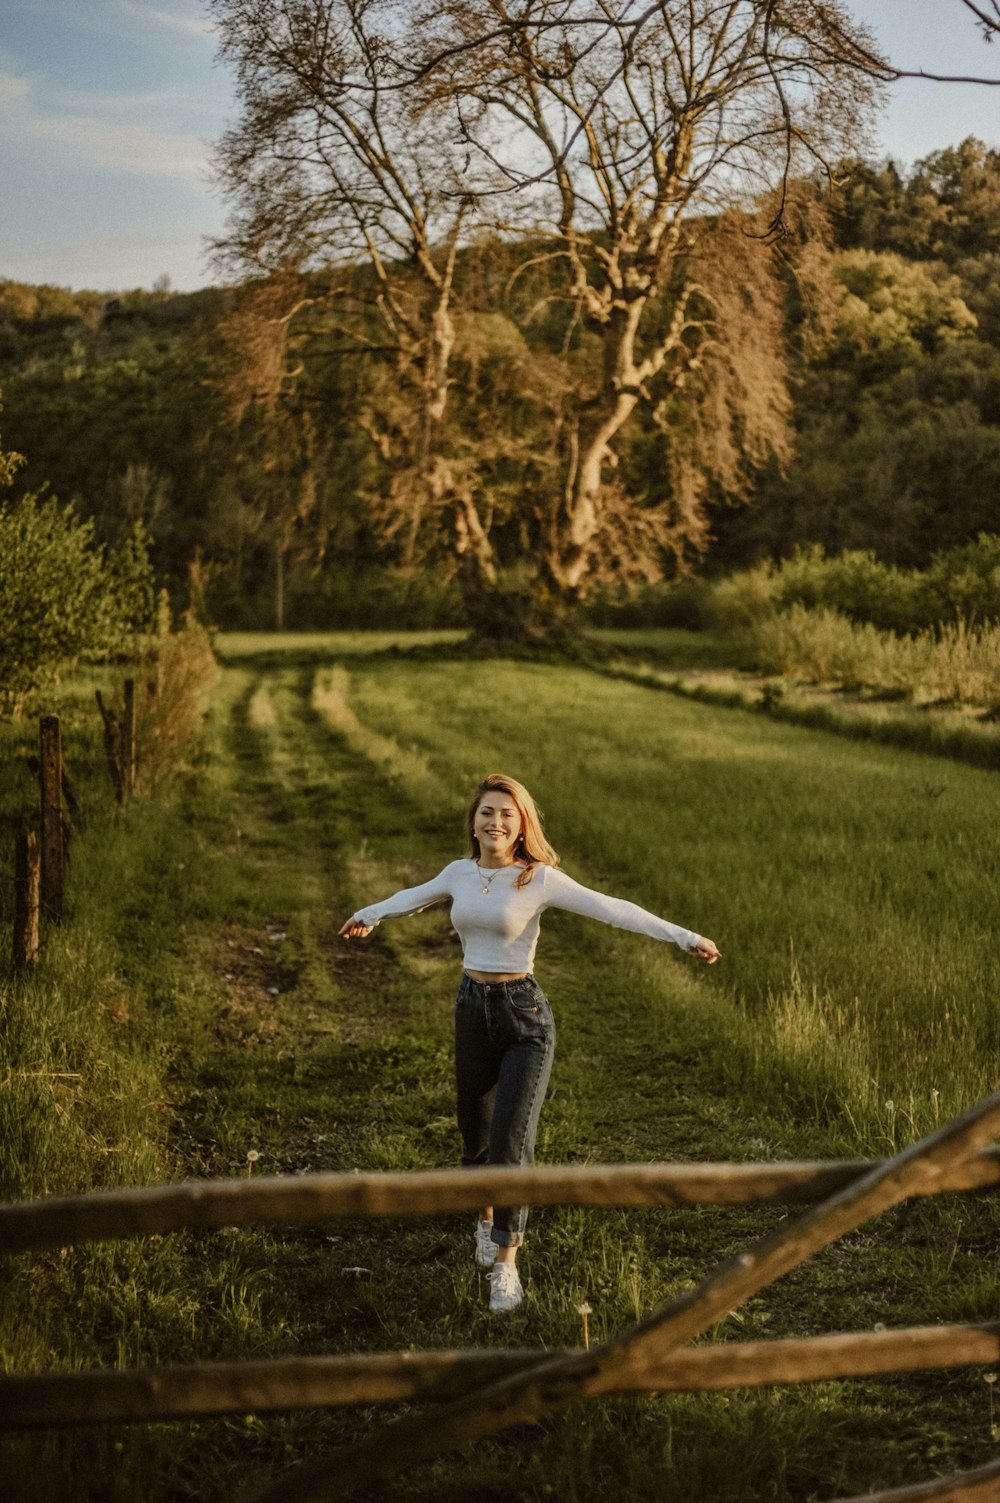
(204, 1389)
(481, 1394)
(210, 1204)
(980, 1486)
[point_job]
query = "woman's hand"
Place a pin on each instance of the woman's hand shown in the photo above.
(355, 929)
(705, 950)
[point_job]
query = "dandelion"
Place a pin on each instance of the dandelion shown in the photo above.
(584, 1311)
(252, 1158)
(990, 1379)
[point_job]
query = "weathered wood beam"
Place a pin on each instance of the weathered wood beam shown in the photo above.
(27, 902)
(555, 1383)
(979, 1486)
(213, 1388)
(60, 1221)
(53, 847)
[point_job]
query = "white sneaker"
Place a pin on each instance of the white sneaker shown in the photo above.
(506, 1292)
(486, 1248)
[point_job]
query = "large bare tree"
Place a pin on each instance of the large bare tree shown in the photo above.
(335, 169)
(651, 135)
(637, 159)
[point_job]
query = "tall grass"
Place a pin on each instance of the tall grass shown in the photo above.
(182, 676)
(89, 1037)
(955, 663)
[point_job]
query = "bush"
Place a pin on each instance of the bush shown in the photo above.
(683, 603)
(854, 583)
(964, 582)
(964, 665)
(183, 674)
(62, 596)
(956, 662)
(742, 600)
(828, 648)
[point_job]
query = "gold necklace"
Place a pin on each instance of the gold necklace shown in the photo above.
(488, 881)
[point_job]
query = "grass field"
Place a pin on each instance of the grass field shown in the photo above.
(852, 889)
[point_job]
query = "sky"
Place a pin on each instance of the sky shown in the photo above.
(109, 108)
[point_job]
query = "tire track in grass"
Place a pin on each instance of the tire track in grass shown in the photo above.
(353, 1069)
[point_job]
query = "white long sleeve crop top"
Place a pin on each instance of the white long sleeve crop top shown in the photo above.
(499, 927)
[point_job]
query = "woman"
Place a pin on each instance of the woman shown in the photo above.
(504, 1032)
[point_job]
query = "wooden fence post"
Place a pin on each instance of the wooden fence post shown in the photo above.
(26, 895)
(53, 843)
(112, 747)
(128, 739)
(71, 802)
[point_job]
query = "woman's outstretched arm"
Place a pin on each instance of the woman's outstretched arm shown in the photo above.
(407, 900)
(562, 892)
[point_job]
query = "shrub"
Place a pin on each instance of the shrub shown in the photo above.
(855, 583)
(956, 662)
(964, 665)
(62, 596)
(683, 603)
(964, 582)
(742, 600)
(174, 674)
(827, 647)
(183, 674)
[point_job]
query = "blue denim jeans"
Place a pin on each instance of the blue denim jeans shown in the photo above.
(504, 1041)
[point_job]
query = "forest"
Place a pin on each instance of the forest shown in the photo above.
(234, 423)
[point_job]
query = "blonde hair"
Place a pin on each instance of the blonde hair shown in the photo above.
(531, 845)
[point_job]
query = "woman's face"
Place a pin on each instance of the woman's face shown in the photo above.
(497, 826)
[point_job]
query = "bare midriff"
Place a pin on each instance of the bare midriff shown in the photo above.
(486, 977)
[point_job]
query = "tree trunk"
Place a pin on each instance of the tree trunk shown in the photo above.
(502, 614)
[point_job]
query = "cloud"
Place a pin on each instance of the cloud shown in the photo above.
(127, 147)
(111, 131)
(114, 262)
(187, 18)
(12, 90)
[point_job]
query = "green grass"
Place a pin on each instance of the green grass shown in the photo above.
(851, 889)
(703, 671)
(672, 645)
